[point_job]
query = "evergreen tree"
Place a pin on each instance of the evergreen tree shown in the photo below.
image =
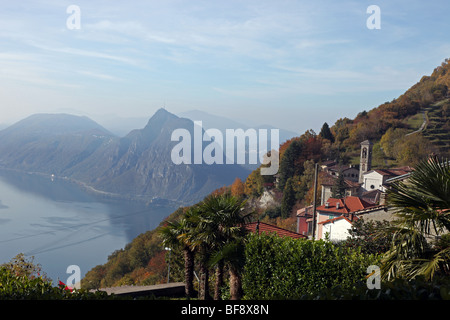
(288, 163)
(288, 201)
(338, 189)
(326, 133)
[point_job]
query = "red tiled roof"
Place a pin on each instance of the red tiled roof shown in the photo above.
(338, 218)
(346, 205)
(268, 228)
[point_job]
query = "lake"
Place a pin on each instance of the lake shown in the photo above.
(60, 224)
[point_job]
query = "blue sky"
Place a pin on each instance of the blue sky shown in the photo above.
(292, 64)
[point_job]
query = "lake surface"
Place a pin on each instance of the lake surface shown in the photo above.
(60, 224)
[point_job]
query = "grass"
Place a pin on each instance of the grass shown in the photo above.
(437, 130)
(414, 122)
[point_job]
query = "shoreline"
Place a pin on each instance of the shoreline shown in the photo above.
(147, 200)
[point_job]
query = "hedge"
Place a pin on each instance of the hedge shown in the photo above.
(286, 268)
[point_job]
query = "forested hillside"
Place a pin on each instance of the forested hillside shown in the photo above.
(403, 131)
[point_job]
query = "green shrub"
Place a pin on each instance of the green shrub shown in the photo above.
(399, 289)
(15, 286)
(285, 268)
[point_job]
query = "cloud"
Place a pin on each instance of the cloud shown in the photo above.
(97, 75)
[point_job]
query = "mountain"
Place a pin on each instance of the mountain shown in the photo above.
(137, 165)
(223, 123)
(210, 121)
(50, 143)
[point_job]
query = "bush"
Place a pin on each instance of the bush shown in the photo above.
(286, 268)
(15, 286)
(399, 289)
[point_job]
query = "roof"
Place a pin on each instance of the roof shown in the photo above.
(372, 196)
(305, 212)
(340, 168)
(394, 172)
(345, 205)
(328, 163)
(268, 228)
(371, 209)
(329, 180)
(338, 218)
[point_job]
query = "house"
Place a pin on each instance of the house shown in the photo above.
(374, 196)
(261, 227)
(350, 172)
(326, 164)
(328, 181)
(335, 208)
(336, 229)
(376, 213)
(304, 219)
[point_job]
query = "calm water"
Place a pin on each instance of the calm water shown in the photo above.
(61, 225)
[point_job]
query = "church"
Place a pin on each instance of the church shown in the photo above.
(363, 181)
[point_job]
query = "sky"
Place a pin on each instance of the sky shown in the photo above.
(291, 64)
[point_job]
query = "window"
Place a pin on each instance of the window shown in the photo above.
(372, 186)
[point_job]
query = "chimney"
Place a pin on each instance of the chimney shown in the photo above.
(337, 205)
(327, 204)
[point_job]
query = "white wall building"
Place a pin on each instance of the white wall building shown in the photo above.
(337, 228)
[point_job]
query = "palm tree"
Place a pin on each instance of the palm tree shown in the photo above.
(421, 229)
(233, 255)
(176, 234)
(222, 222)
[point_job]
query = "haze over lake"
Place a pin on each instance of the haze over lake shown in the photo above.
(60, 224)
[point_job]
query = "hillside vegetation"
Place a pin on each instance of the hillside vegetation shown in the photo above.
(399, 139)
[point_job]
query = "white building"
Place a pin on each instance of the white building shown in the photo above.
(379, 178)
(336, 229)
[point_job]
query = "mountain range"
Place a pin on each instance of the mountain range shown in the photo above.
(137, 165)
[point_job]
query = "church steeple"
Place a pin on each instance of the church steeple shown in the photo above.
(365, 162)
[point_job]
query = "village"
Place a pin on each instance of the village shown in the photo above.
(365, 197)
(364, 190)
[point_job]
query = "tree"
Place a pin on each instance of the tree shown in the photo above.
(234, 254)
(326, 133)
(237, 188)
(289, 200)
(22, 266)
(254, 183)
(221, 223)
(289, 163)
(339, 186)
(420, 245)
(176, 234)
(363, 235)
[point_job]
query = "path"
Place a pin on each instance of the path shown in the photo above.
(425, 121)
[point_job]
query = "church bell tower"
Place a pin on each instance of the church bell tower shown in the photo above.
(365, 162)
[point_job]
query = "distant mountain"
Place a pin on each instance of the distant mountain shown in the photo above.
(210, 121)
(50, 143)
(119, 125)
(223, 123)
(137, 165)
